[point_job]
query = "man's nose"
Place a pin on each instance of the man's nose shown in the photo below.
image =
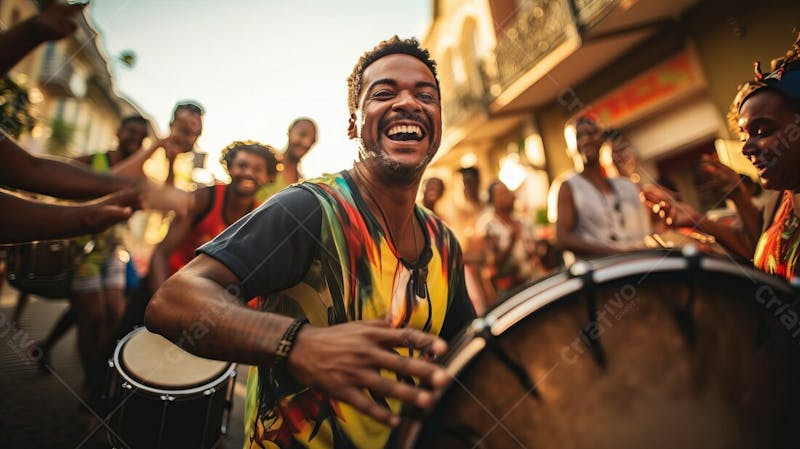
(406, 101)
(749, 148)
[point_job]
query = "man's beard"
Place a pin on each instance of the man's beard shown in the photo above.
(393, 171)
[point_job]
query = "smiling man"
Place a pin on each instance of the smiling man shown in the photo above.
(359, 285)
(250, 165)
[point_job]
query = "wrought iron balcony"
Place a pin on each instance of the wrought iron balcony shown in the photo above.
(591, 12)
(538, 28)
(461, 102)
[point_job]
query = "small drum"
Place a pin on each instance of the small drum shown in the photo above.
(647, 350)
(44, 268)
(165, 397)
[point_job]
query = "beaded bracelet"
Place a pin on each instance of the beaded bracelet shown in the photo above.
(287, 341)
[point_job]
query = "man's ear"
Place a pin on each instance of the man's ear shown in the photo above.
(352, 132)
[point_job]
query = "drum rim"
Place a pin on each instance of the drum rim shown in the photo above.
(609, 269)
(230, 371)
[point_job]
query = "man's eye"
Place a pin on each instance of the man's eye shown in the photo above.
(425, 96)
(382, 94)
(761, 132)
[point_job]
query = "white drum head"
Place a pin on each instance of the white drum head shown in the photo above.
(155, 361)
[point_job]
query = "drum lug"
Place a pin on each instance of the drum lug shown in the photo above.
(167, 397)
(210, 391)
(127, 386)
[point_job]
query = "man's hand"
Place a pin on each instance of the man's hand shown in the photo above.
(667, 208)
(344, 360)
(57, 21)
(96, 216)
(166, 198)
(719, 179)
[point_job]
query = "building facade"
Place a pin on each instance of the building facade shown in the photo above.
(71, 95)
(514, 72)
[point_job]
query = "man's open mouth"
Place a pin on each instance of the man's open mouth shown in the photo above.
(405, 132)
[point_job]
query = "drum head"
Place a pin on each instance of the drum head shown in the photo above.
(650, 351)
(155, 361)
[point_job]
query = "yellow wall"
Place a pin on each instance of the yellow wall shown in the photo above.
(769, 30)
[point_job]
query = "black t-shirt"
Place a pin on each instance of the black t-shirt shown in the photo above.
(272, 248)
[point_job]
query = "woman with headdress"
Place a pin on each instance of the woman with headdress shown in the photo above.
(766, 115)
(766, 112)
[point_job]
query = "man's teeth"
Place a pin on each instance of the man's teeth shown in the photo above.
(405, 129)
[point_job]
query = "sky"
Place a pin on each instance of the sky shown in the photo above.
(254, 65)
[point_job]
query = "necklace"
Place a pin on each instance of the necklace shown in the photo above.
(366, 188)
(419, 266)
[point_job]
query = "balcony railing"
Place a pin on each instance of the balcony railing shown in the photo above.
(460, 102)
(591, 12)
(539, 27)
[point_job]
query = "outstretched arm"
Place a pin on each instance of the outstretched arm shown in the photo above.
(28, 220)
(55, 22)
(179, 229)
(21, 170)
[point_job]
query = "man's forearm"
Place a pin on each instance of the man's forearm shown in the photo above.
(133, 166)
(203, 318)
(749, 214)
(16, 43)
(61, 179)
(729, 237)
(25, 220)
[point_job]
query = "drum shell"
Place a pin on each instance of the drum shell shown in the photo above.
(150, 421)
(738, 354)
(146, 416)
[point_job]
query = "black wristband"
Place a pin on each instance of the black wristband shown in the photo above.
(286, 342)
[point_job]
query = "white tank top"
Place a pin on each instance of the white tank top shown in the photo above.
(617, 218)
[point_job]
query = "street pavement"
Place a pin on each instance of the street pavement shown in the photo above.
(44, 410)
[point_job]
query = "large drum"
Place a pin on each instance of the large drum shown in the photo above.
(44, 268)
(648, 350)
(165, 397)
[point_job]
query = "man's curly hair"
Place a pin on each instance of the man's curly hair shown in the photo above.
(784, 78)
(253, 147)
(391, 46)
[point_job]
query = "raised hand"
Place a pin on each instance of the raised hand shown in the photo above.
(719, 178)
(57, 21)
(345, 360)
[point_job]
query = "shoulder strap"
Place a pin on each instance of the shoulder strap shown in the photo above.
(101, 162)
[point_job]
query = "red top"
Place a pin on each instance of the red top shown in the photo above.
(212, 224)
